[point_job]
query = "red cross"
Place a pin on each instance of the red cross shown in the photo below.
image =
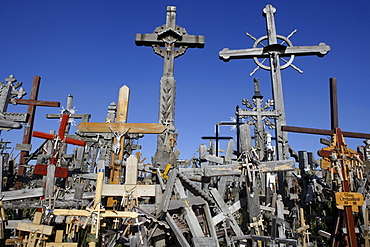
(59, 137)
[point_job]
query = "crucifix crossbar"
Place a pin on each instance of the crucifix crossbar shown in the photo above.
(275, 52)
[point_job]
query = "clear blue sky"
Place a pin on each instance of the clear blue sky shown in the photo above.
(86, 48)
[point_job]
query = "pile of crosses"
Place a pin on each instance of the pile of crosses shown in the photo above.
(103, 194)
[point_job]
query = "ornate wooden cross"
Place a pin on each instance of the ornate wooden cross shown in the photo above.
(28, 127)
(8, 92)
(275, 52)
(169, 36)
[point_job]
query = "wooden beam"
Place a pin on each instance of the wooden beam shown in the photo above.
(29, 227)
(142, 128)
(61, 244)
(324, 132)
(121, 190)
(104, 214)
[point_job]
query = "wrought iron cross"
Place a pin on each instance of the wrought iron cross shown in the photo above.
(168, 36)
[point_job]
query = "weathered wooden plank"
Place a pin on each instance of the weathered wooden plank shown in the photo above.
(277, 166)
(61, 244)
(131, 170)
(142, 128)
(204, 242)
(22, 194)
(121, 190)
(222, 170)
(29, 227)
(104, 214)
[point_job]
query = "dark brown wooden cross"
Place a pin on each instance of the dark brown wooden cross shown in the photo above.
(341, 149)
(28, 127)
(334, 119)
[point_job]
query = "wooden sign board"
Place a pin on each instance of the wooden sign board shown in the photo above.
(349, 199)
(42, 169)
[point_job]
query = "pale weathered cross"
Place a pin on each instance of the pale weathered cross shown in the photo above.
(275, 52)
(9, 90)
(169, 36)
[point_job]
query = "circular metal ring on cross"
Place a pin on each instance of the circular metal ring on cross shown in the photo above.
(265, 67)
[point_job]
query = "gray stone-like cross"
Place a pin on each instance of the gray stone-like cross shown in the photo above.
(275, 52)
(169, 36)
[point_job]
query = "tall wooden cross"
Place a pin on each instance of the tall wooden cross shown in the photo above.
(334, 119)
(169, 36)
(341, 151)
(275, 52)
(28, 127)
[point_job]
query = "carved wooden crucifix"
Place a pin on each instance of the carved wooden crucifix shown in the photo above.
(169, 36)
(275, 52)
(119, 129)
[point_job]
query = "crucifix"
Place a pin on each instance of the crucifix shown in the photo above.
(32, 102)
(59, 139)
(71, 121)
(72, 115)
(119, 128)
(169, 36)
(275, 52)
